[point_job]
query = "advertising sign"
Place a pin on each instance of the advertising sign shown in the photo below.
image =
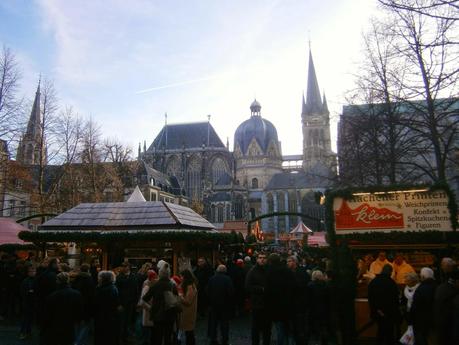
(418, 210)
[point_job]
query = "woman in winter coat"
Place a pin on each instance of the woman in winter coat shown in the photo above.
(189, 299)
(320, 306)
(145, 306)
(163, 317)
(106, 310)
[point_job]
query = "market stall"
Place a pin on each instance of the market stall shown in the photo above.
(407, 227)
(129, 231)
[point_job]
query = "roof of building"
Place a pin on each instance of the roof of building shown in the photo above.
(167, 183)
(186, 135)
(148, 215)
(9, 231)
(298, 180)
(258, 128)
(136, 196)
(219, 196)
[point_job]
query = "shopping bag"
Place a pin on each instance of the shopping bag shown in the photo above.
(408, 337)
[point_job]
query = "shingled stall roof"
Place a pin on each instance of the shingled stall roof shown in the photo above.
(151, 220)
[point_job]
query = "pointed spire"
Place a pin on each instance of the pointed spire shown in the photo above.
(324, 104)
(313, 100)
(34, 124)
(303, 106)
(144, 146)
(227, 143)
(139, 152)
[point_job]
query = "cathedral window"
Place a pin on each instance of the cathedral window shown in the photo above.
(212, 213)
(239, 207)
(254, 183)
(193, 180)
(228, 212)
(173, 167)
(220, 214)
(219, 169)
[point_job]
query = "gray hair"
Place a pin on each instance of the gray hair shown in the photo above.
(221, 269)
(412, 277)
(165, 271)
(105, 277)
(317, 275)
(293, 258)
(426, 273)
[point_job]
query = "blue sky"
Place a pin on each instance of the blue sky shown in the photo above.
(126, 63)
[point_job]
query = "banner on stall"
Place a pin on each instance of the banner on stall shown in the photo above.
(416, 210)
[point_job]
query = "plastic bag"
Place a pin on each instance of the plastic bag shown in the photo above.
(408, 337)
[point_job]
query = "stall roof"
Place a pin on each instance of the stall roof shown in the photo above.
(149, 215)
(9, 231)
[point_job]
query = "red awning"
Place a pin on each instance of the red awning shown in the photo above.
(9, 231)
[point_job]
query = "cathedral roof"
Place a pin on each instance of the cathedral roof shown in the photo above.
(186, 135)
(258, 128)
(299, 180)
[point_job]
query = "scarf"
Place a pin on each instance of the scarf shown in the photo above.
(409, 293)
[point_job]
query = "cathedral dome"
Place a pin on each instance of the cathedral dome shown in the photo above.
(263, 131)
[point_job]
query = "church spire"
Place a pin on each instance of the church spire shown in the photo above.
(34, 124)
(30, 148)
(303, 106)
(313, 100)
(325, 105)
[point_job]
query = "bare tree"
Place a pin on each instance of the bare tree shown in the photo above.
(373, 141)
(10, 104)
(114, 151)
(438, 9)
(429, 85)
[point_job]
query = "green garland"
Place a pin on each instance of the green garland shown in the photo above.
(96, 236)
(10, 247)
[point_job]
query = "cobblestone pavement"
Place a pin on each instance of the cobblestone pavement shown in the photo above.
(239, 333)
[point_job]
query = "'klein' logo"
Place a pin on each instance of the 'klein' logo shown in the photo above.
(367, 217)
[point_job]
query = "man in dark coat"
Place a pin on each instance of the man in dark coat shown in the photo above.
(301, 301)
(45, 286)
(84, 283)
(279, 296)
(255, 283)
(64, 311)
(443, 309)
(27, 291)
(203, 273)
(383, 297)
(221, 299)
(127, 289)
(421, 312)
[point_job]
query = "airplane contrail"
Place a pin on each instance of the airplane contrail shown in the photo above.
(178, 84)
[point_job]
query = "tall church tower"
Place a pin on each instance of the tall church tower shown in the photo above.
(315, 118)
(30, 143)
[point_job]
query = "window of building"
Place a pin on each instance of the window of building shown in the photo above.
(194, 179)
(254, 183)
(220, 214)
(219, 169)
(12, 207)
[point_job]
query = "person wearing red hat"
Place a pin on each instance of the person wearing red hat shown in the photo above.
(147, 323)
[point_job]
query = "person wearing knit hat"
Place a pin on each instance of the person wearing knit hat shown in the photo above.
(147, 323)
(160, 264)
(240, 263)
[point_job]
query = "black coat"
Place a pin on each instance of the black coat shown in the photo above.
(421, 312)
(255, 284)
(106, 315)
(45, 285)
(221, 293)
(127, 289)
(85, 285)
(443, 312)
(156, 291)
(279, 292)
(64, 310)
(301, 294)
(383, 295)
(320, 307)
(203, 274)
(28, 294)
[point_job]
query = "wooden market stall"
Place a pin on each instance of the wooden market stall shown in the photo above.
(416, 223)
(136, 231)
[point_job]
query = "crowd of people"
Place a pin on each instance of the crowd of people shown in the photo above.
(152, 306)
(287, 296)
(426, 303)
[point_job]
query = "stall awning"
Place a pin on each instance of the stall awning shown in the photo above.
(9, 231)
